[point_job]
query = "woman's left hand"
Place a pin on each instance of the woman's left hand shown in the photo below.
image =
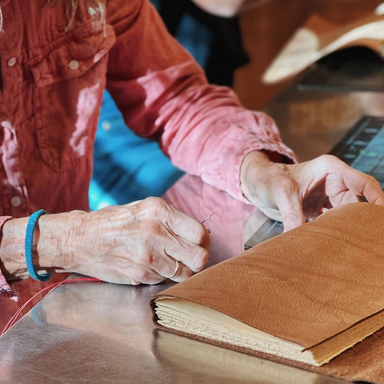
(291, 193)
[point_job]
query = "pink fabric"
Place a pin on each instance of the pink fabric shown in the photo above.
(52, 95)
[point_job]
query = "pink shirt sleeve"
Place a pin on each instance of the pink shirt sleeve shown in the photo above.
(163, 94)
(4, 286)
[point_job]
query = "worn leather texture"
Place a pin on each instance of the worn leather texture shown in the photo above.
(306, 286)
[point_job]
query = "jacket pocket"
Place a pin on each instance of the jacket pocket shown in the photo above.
(68, 84)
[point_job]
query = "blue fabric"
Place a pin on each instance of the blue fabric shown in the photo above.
(195, 37)
(126, 167)
(129, 168)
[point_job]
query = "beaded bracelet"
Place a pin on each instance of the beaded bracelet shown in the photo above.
(29, 246)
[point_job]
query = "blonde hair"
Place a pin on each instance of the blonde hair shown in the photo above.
(96, 9)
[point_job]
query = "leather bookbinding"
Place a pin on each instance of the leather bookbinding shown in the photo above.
(305, 286)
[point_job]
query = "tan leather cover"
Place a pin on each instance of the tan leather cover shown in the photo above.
(305, 285)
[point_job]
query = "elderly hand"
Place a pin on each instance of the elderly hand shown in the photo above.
(138, 243)
(143, 242)
(292, 193)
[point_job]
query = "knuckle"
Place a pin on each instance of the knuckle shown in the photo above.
(328, 161)
(155, 204)
(371, 180)
(145, 258)
(372, 185)
(200, 259)
(326, 158)
(200, 234)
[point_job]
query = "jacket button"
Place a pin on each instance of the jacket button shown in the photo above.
(16, 201)
(74, 65)
(11, 61)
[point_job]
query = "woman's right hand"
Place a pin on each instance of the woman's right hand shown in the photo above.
(129, 244)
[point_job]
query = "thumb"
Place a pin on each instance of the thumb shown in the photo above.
(290, 205)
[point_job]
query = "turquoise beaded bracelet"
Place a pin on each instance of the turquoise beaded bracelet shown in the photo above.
(29, 246)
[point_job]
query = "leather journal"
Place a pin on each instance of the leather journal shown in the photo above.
(311, 297)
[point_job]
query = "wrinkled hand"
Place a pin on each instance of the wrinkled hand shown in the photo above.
(292, 193)
(137, 243)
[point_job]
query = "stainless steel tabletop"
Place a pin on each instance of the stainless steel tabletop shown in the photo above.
(103, 333)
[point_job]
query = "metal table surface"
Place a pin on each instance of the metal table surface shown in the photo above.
(103, 333)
